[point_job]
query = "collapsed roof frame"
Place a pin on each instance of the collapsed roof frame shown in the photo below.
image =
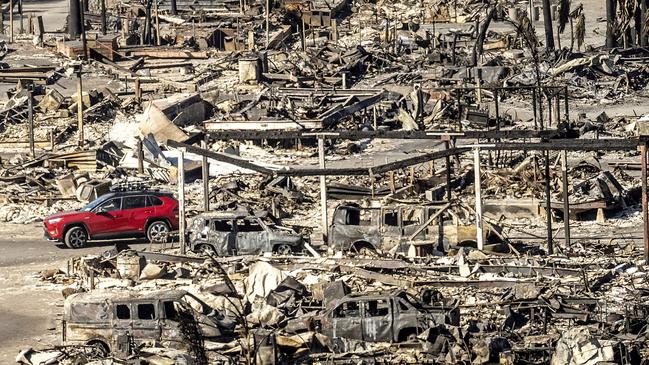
(546, 145)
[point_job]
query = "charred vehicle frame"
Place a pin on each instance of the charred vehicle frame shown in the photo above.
(236, 233)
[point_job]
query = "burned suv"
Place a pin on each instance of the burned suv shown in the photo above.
(241, 233)
(113, 321)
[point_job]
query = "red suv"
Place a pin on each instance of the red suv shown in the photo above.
(116, 215)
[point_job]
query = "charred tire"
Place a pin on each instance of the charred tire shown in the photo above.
(409, 335)
(157, 231)
(207, 250)
(468, 243)
(283, 250)
(76, 237)
(98, 348)
(363, 249)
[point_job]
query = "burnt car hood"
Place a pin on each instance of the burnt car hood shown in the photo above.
(285, 236)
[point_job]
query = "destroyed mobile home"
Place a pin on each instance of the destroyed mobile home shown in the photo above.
(290, 182)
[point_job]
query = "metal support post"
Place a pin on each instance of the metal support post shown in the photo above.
(206, 178)
(181, 199)
(323, 188)
(548, 209)
(645, 218)
(30, 105)
(566, 202)
(140, 157)
(478, 199)
(80, 107)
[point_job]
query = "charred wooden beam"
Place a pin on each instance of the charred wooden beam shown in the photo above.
(569, 145)
(223, 157)
(357, 135)
(356, 171)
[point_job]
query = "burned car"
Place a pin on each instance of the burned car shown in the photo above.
(398, 229)
(382, 317)
(237, 233)
(114, 321)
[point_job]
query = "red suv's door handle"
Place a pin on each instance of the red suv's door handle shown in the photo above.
(148, 211)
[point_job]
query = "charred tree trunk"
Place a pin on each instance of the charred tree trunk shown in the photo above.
(610, 23)
(547, 23)
(642, 33)
(74, 19)
(479, 43)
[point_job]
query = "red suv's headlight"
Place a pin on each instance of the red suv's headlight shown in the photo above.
(54, 220)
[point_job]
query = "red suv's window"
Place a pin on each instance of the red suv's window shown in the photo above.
(134, 202)
(111, 205)
(155, 201)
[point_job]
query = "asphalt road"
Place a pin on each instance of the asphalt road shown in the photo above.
(30, 309)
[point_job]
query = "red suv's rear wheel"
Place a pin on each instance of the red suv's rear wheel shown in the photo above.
(157, 231)
(76, 237)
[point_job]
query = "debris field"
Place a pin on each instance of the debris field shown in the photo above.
(330, 182)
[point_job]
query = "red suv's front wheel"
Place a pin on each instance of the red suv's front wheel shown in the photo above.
(76, 237)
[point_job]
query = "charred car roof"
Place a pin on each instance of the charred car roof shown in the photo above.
(125, 295)
(237, 214)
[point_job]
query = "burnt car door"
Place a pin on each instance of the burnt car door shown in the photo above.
(377, 320)
(411, 221)
(170, 324)
(146, 322)
(222, 236)
(345, 321)
(252, 238)
(353, 224)
(122, 326)
(390, 227)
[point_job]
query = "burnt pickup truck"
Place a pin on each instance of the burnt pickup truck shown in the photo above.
(384, 317)
(237, 233)
(400, 228)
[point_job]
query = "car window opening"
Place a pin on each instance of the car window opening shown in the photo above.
(249, 226)
(222, 226)
(170, 311)
(347, 309)
(135, 202)
(155, 201)
(123, 311)
(377, 308)
(146, 311)
(111, 205)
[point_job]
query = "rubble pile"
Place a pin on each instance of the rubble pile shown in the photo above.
(482, 307)
(334, 181)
